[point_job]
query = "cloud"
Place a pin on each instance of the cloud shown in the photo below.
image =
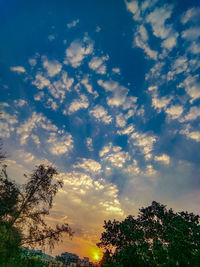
(77, 51)
(18, 69)
(59, 88)
(40, 81)
(157, 19)
(194, 135)
(35, 139)
(100, 114)
(35, 122)
(120, 120)
(32, 62)
(160, 102)
(119, 97)
(174, 112)
(88, 86)
(192, 87)
(20, 102)
(59, 145)
(133, 7)
(89, 144)
(191, 14)
(194, 48)
(98, 64)
(191, 34)
(52, 67)
(165, 159)
(193, 114)
(127, 131)
(7, 123)
(116, 70)
(73, 24)
(88, 165)
(114, 155)
(141, 39)
(170, 42)
(144, 142)
(77, 104)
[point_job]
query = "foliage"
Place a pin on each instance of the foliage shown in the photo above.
(157, 237)
(25, 207)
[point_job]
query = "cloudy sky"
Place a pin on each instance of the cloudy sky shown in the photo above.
(108, 92)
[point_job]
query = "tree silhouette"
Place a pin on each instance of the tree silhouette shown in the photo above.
(157, 237)
(25, 207)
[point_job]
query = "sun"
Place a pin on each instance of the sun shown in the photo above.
(96, 257)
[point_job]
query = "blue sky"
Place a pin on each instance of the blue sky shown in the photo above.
(108, 92)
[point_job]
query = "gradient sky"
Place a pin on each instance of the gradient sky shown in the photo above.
(109, 92)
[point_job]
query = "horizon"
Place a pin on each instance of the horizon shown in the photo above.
(108, 92)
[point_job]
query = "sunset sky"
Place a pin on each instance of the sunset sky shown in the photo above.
(108, 91)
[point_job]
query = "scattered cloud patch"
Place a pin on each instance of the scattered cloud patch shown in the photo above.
(73, 24)
(77, 51)
(100, 114)
(59, 145)
(18, 69)
(165, 159)
(52, 67)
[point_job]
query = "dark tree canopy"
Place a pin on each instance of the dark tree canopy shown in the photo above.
(157, 237)
(25, 207)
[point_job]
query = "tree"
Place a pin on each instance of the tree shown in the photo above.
(157, 237)
(24, 207)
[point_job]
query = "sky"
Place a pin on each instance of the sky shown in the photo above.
(109, 93)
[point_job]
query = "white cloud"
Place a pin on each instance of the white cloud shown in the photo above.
(20, 102)
(143, 45)
(7, 123)
(51, 37)
(100, 114)
(32, 62)
(77, 104)
(165, 159)
(144, 142)
(35, 139)
(89, 144)
(193, 114)
(59, 88)
(40, 81)
(120, 93)
(174, 111)
(39, 96)
(73, 24)
(114, 155)
(116, 70)
(191, 34)
(128, 130)
(157, 19)
(192, 87)
(133, 8)
(18, 69)
(120, 120)
(150, 171)
(60, 144)
(88, 86)
(98, 64)
(89, 165)
(191, 14)
(52, 67)
(77, 51)
(194, 48)
(35, 122)
(195, 135)
(133, 168)
(160, 103)
(170, 42)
